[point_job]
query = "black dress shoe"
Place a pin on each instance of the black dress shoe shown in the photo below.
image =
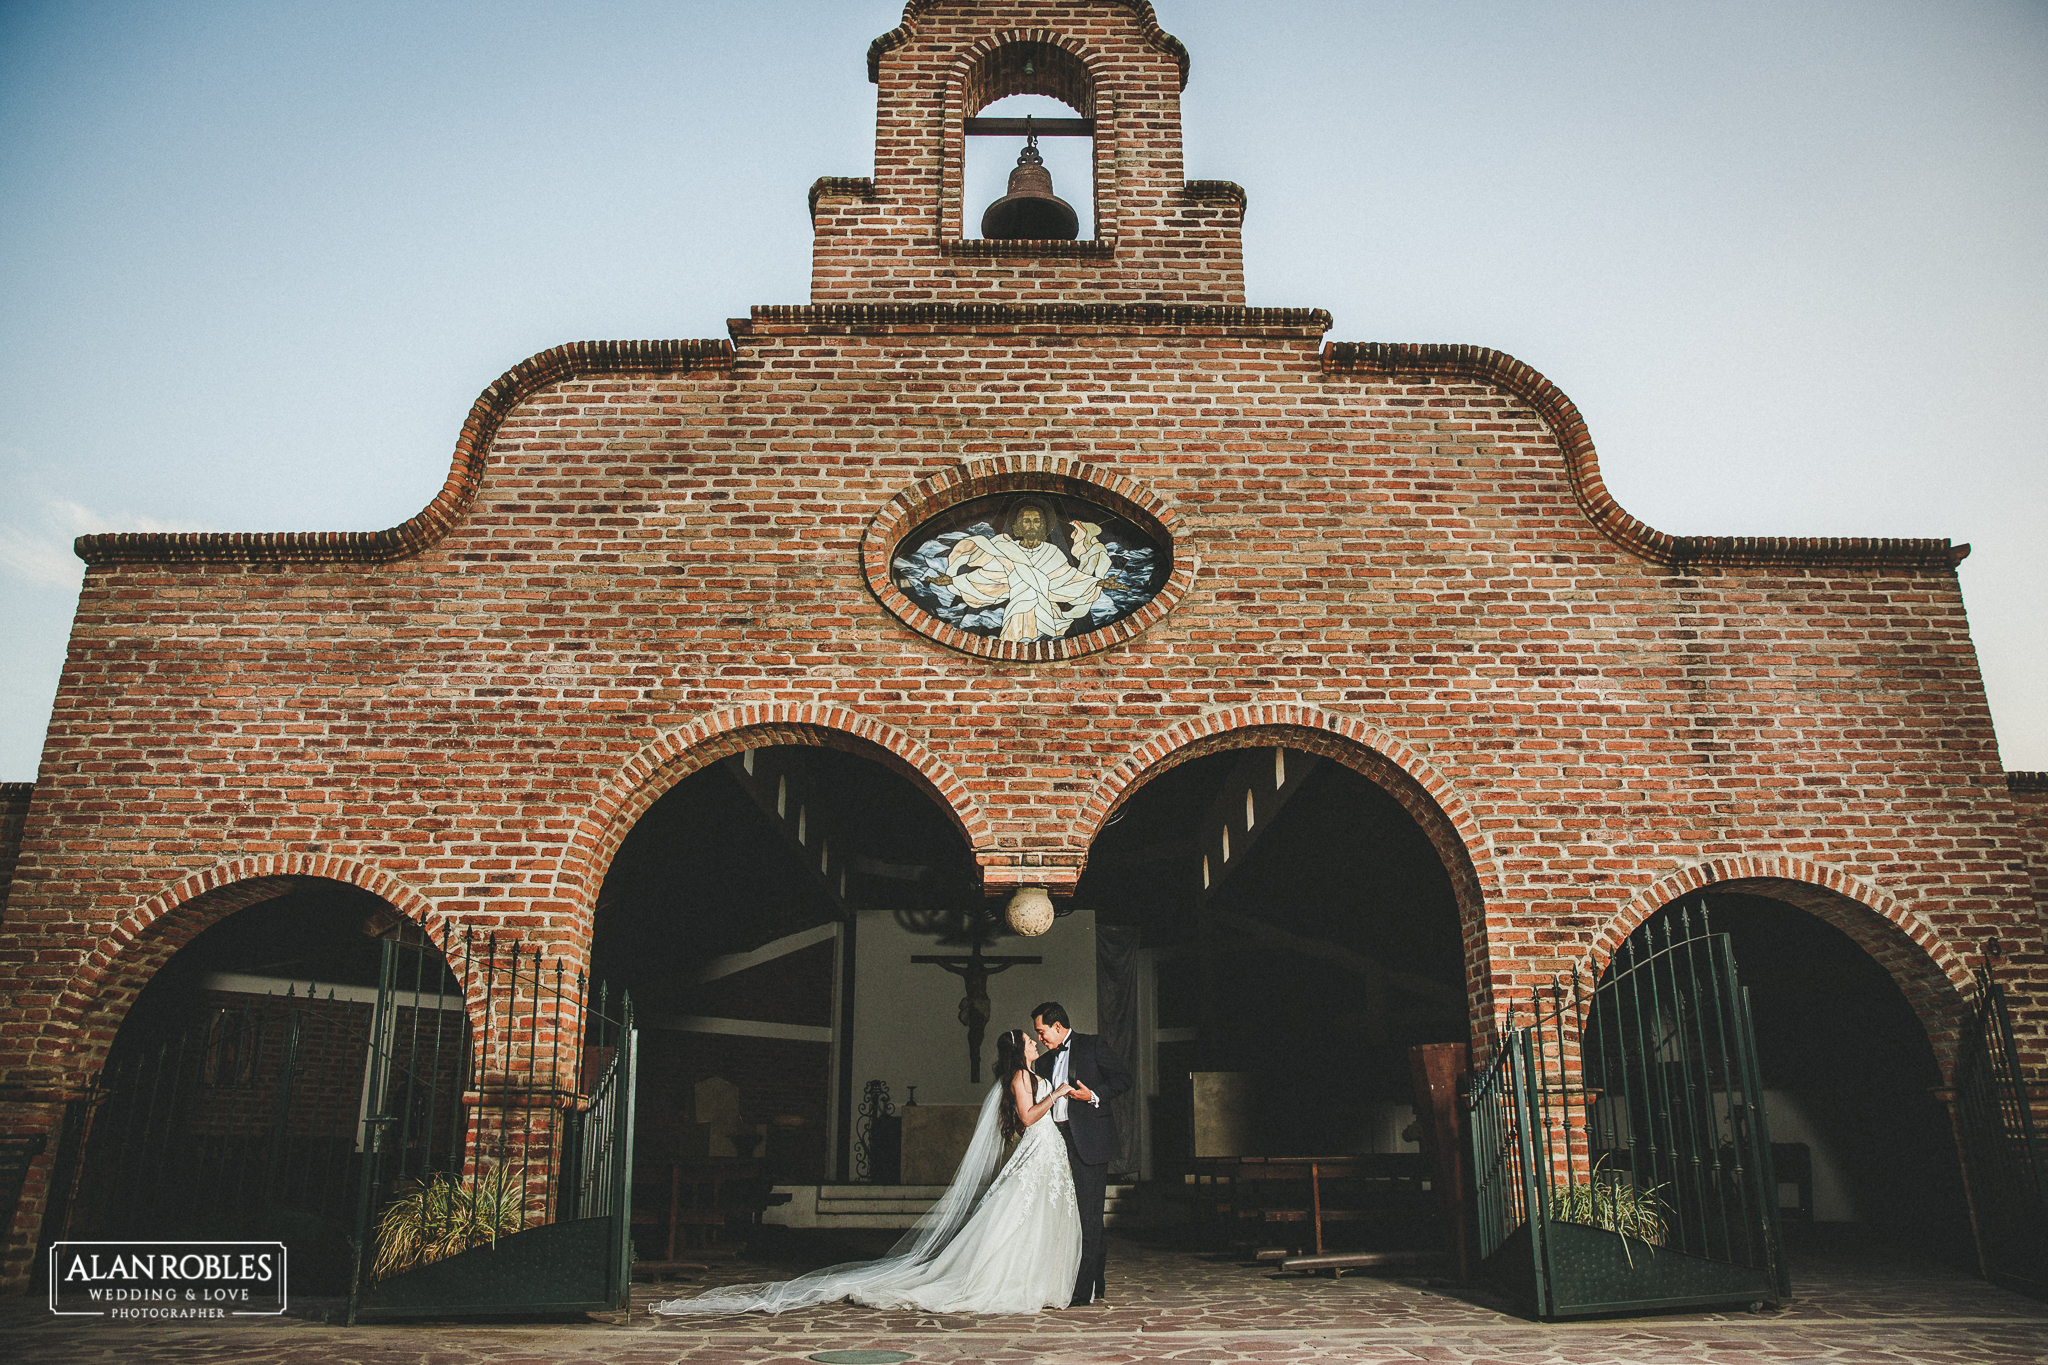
(1080, 1303)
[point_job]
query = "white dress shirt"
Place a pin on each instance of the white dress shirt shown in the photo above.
(1059, 1078)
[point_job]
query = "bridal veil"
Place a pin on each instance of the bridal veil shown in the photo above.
(906, 1262)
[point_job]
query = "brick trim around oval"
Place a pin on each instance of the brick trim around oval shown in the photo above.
(1021, 474)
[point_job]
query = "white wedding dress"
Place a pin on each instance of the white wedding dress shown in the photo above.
(1005, 1238)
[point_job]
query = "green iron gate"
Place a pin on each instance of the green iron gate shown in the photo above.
(244, 1124)
(1639, 1178)
(552, 1199)
(2002, 1158)
(310, 1116)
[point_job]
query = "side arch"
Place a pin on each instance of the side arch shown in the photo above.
(1931, 975)
(648, 775)
(137, 945)
(1381, 758)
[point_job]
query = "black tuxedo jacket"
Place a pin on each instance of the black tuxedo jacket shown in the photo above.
(1091, 1062)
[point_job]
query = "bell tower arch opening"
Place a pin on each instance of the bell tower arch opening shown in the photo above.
(1029, 146)
(1101, 85)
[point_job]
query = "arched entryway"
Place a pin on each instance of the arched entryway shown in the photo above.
(1293, 931)
(236, 1097)
(1864, 1146)
(768, 914)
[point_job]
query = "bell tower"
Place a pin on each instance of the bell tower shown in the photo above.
(906, 235)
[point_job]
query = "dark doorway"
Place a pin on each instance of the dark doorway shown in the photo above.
(234, 1097)
(1330, 949)
(1849, 1079)
(726, 913)
(321, 931)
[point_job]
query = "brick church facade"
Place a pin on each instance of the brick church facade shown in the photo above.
(649, 556)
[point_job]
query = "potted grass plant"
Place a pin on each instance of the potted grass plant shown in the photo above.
(439, 1217)
(1611, 1201)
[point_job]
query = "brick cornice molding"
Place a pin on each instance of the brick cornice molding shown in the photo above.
(16, 791)
(1681, 554)
(1226, 319)
(2026, 782)
(914, 11)
(839, 187)
(1026, 249)
(1216, 192)
(576, 360)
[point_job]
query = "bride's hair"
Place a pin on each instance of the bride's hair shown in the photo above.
(1010, 1061)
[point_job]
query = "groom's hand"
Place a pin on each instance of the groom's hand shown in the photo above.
(1083, 1093)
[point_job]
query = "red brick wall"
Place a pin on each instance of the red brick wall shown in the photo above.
(648, 556)
(14, 798)
(653, 562)
(328, 1082)
(2030, 802)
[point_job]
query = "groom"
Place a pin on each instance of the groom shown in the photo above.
(1098, 1075)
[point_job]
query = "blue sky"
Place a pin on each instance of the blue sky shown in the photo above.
(257, 260)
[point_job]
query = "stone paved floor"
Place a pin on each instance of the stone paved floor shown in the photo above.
(1855, 1303)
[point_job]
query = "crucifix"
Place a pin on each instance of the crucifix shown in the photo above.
(975, 970)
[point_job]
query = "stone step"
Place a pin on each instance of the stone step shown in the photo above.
(894, 1206)
(924, 1192)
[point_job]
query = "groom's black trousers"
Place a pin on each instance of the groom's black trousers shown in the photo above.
(1091, 1187)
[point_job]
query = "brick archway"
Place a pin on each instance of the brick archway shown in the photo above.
(1382, 759)
(651, 773)
(136, 947)
(1000, 65)
(1930, 974)
(1025, 62)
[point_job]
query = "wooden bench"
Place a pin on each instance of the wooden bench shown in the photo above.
(1237, 1196)
(698, 1197)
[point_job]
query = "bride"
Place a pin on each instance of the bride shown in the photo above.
(1004, 1238)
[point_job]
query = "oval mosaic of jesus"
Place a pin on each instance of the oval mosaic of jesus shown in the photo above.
(1031, 566)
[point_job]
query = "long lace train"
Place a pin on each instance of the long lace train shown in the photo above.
(1004, 1238)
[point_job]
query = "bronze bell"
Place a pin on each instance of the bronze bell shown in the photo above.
(1031, 211)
